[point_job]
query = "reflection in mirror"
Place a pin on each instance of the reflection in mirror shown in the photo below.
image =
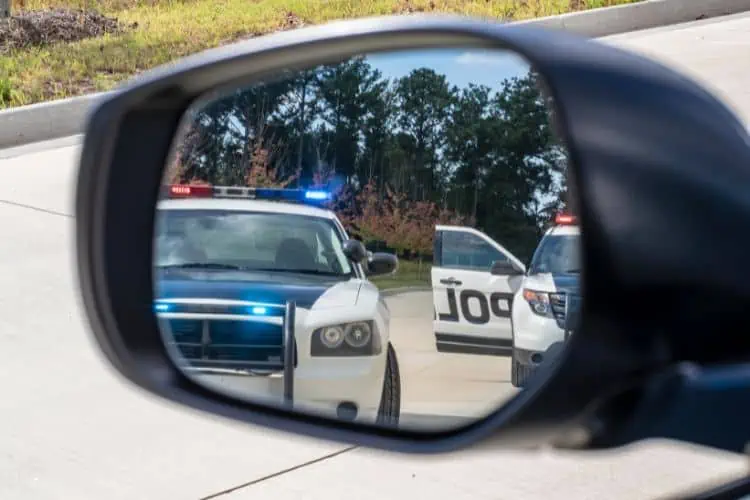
(350, 239)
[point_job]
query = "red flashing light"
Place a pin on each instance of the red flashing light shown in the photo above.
(565, 219)
(190, 190)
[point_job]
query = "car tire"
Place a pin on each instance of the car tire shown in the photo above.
(518, 372)
(390, 400)
(516, 379)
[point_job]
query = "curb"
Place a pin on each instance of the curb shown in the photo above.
(639, 16)
(389, 292)
(66, 117)
(45, 121)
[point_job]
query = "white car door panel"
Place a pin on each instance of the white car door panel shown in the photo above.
(472, 306)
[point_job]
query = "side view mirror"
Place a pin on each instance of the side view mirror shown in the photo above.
(505, 268)
(419, 362)
(380, 263)
(355, 251)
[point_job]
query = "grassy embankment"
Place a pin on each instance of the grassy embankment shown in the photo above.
(410, 273)
(49, 52)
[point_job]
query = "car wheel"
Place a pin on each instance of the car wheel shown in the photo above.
(515, 366)
(518, 372)
(390, 401)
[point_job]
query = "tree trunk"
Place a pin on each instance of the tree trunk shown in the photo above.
(301, 131)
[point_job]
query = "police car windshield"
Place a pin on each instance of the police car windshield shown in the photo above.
(557, 254)
(249, 241)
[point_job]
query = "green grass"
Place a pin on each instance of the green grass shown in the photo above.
(168, 29)
(409, 273)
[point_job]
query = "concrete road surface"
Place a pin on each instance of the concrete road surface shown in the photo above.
(714, 52)
(71, 429)
(437, 386)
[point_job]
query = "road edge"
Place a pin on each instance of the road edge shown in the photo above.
(66, 117)
(390, 292)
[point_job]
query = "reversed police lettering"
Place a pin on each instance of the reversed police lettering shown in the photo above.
(493, 306)
(496, 299)
(484, 310)
(453, 310)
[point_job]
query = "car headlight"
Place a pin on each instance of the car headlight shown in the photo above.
(539, 302)
(332, 336)
(359, 338)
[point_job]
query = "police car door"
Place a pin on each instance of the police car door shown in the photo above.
(472, 306)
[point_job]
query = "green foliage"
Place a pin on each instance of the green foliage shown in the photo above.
(159, 31)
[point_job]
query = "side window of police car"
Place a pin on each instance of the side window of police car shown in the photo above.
(325, 255)
(470, 302)
(332, 254)
(467, 251)
(320, 252)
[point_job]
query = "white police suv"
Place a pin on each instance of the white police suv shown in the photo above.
(474, 281)
(260, 292)
(546, 305)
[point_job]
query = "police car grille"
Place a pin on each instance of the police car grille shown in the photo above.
(574, 311)
(557, 303)
(186, 331)
(227, 343)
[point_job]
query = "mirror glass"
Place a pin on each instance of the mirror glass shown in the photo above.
(386, 239)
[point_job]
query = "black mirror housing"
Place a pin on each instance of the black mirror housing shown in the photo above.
(381, 263)
(355, 251)
(633, 125)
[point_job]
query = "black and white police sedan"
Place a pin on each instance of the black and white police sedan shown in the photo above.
(262, 292)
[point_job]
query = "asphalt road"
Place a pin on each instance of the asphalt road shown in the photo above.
(72, 429)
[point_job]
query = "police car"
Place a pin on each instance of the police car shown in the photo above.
(260, 292)
(474, 281)
(546, 305)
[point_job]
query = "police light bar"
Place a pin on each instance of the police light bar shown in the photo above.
(565, 219)
(249, 193)
(190, 191)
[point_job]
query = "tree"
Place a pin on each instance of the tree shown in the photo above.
(526, 156)
(378, 124)
(371, 211)
(347, 91)
(261, 174)
(425, 99)
(468, 145)
(504, 154)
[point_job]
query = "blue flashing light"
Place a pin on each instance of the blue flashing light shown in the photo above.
(260, 311)
(317, 195)
(252, 193)
(161, 307)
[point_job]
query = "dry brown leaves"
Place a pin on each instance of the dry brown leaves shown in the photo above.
(408, 7)
(41, 28)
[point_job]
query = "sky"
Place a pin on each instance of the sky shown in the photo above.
(461, 66)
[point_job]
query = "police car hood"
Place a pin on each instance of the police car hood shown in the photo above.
(548, 282)
(276, 288)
